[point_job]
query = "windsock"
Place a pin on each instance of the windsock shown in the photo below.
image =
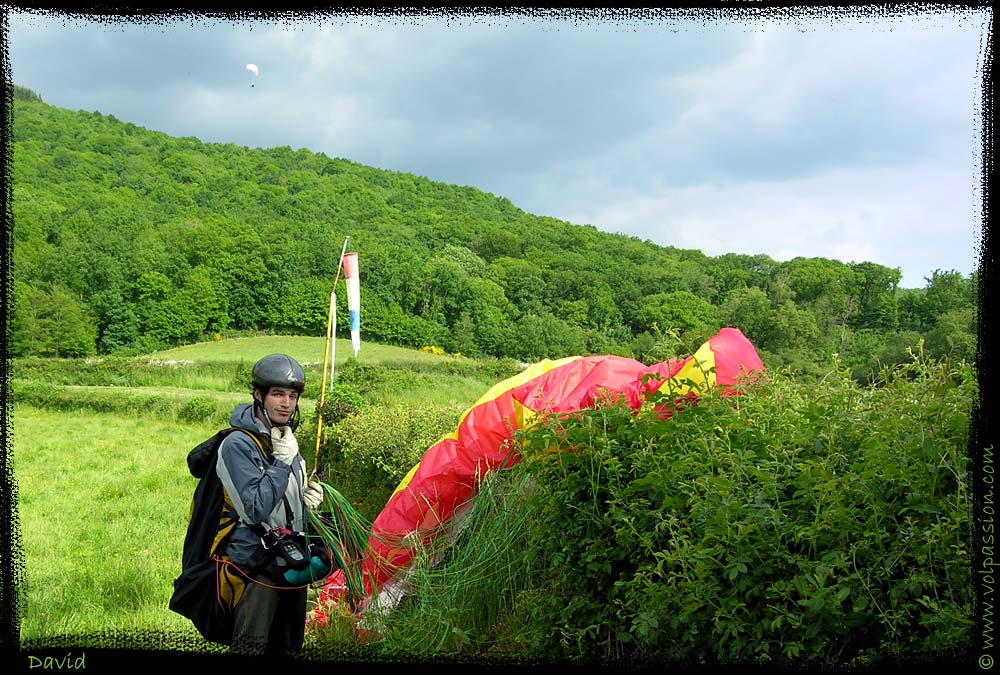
(353, 299)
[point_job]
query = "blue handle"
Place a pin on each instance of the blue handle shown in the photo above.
(317, 570)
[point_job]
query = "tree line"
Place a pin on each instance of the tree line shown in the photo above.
(127, 240)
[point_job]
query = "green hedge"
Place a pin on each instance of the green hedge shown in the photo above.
(825, 524)
(369, 449)
(113, 371)
(195, 409)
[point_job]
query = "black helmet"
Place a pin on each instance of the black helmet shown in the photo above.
(278, 370)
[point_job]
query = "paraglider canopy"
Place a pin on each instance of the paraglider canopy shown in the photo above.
(253, 70)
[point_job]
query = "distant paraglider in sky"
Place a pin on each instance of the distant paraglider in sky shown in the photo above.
(254, 70)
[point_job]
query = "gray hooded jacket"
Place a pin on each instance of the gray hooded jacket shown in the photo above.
(255, 484)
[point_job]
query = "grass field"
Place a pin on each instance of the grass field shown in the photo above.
(102, 505)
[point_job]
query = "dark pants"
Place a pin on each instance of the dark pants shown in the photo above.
(269, 620)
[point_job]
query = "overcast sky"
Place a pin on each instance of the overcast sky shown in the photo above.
(852, 137)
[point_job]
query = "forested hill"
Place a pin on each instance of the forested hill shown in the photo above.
(126, 240)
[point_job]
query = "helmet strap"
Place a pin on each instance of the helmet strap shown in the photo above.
(293, 420)
(259, 407)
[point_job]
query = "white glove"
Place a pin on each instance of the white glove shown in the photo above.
(313, 494)
(284, 447)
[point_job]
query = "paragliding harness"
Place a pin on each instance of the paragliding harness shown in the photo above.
(211, 521)
(197, 591)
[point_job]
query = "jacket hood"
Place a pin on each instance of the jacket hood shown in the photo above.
(243, 417)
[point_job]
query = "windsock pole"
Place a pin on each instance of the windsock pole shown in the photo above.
(329, 354)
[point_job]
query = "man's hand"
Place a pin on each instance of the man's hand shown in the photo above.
(313, 494)
(284, 447)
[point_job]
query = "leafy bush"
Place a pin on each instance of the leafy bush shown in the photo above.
(343, 401)
(198, 409)
(797, 525)
(372, 378)
(368, 453)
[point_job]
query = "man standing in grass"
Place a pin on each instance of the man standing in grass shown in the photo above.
(265, 482)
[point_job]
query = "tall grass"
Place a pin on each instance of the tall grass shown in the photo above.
(453, 604)
(461, 590)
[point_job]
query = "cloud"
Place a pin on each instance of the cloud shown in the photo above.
(895, 217)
